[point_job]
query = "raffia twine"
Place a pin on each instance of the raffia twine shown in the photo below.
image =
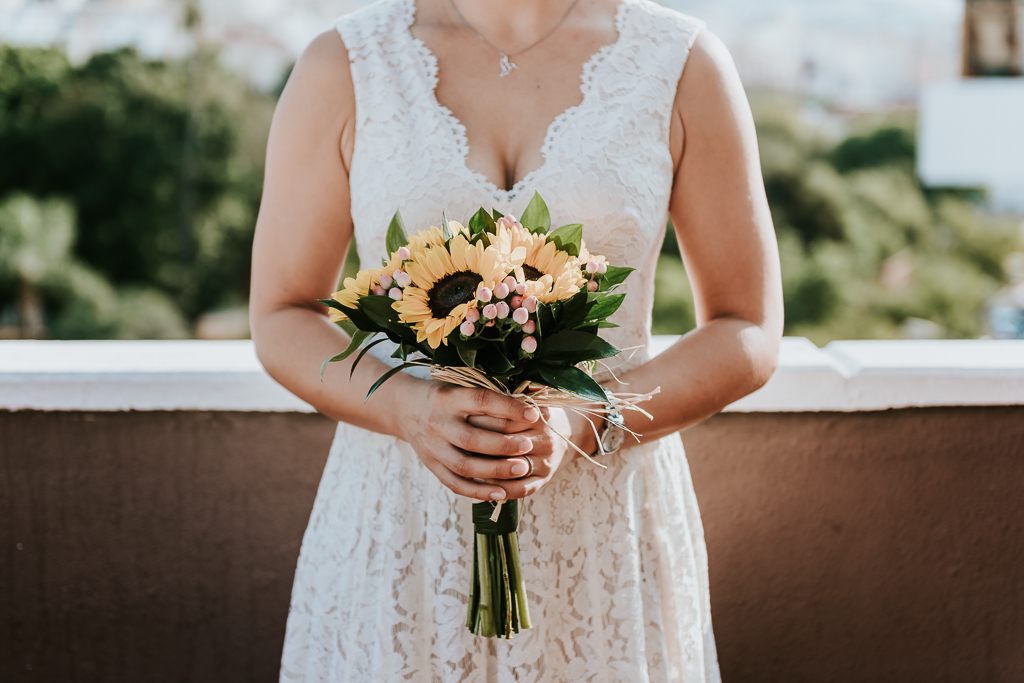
(540, 396)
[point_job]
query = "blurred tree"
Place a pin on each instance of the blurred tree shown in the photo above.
(35, 244)
(866, 251)
(56, 294)
(110, 137)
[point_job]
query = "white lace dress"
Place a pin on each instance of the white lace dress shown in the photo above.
(614, 561)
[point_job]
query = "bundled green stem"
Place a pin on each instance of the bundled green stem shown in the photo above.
(497, 595)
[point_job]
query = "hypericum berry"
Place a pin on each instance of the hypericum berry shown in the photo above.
(603, 268)
(403, 253)
(402, 278)
(501, 290)
(530, 303)
(484, 294)
(379, 291)
(472, 314)
(490, 311)
(530, 326)
(592, 286)
(516, 302)
(503, 310)
(510, 281)
(467, 328)
(521, 315)
(529, 344)
(386, 280)
(509, 222)
(489, 323)
(395, 293)
(593, 267)
(521, 288)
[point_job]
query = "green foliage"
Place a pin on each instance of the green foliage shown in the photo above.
(887, 145)
(163, 171)
(865, 250)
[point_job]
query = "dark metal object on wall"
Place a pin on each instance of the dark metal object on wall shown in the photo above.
(994, 38)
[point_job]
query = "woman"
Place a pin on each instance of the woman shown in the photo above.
(414, 104)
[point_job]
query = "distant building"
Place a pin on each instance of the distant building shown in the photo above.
(971, 130)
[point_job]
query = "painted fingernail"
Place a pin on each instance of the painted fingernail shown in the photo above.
(519, 469)
(498, 495)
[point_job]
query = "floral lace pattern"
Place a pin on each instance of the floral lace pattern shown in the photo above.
(614, 561)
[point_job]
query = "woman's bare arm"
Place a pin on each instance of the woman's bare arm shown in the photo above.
(727, 241)
(302, 235)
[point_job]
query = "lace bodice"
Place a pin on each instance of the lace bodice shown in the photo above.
(614, 560)
(606, 160)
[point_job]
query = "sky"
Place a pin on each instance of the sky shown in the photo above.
(857, 55)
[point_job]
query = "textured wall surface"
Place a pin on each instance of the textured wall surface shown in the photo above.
(885, 546)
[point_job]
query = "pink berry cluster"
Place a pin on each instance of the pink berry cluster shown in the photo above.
(392, 285)
(593, 269)
(505, 307)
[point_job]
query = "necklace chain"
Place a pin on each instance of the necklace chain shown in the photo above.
(504, 63)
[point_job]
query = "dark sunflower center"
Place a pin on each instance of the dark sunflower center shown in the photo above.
(532, 273)
(452, 290)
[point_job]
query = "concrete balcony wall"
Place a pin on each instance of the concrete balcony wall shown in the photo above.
(864, 513)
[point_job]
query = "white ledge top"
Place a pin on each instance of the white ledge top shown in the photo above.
(226, 375)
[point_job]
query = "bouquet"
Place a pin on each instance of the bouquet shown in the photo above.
(502, 303)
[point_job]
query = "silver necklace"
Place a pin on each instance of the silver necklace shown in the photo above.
(504, 63)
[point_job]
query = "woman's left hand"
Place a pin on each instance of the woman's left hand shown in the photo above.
(550, 451)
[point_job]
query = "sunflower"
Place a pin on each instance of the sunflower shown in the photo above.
(586, 256)
(549, 273)
(445, 281)
(355, 287)
(433, 236)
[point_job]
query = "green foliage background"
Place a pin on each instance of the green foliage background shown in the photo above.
(865, 249)
(162, 203)
(129, 190)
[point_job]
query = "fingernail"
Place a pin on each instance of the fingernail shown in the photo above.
(520, 468)
(525, 445)
(532, 414)
(498, 495)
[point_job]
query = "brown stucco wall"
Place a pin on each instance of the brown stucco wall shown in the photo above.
(884, 546)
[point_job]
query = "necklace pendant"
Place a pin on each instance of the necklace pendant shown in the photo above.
(506, 66)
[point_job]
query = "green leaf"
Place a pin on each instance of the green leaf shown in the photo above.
(446, 232)
(331, 303)
(574, 346)
(378, 307)
(362, 353)
(396, 237)
(468, 357)
(355, 315)
(604, 307)
(614, 277)
(536, 218)
(403, 332)
(545, 320)
(494, 361)
(568, 238)
(572, 312)
(496, 214)
(385, 377)
(572, 380)
(481, 222)
(358, 337)
(447, 355)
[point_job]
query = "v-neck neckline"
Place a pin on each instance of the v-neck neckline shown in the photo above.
(458, 131)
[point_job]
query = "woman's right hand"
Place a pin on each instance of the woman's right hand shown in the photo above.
(432, 418)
